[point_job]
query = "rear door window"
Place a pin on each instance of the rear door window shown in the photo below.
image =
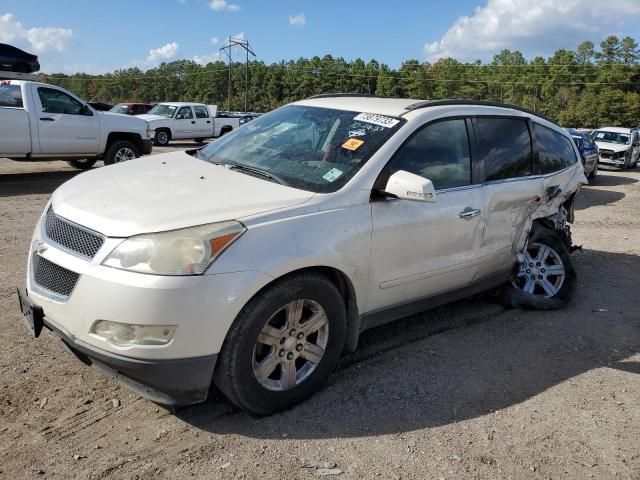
(555, 151)
(10, 95)
(439, 152)
(201, 112)
(504, 146)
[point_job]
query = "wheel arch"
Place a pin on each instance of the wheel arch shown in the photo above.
(134, 138)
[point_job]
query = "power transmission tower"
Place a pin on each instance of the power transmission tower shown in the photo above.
(232, 43)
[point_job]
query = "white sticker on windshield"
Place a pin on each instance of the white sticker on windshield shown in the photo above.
(332, 175)
(376, 119)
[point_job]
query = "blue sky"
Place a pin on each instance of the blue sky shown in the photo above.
(81, 35)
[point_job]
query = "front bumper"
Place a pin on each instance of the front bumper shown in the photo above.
(168, 382)
(147, 146)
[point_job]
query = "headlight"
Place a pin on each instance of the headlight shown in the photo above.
(126, 334)
(188, 251)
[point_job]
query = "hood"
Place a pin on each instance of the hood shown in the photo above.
(167, 192)
(115, 121)
(152, 118)
(616, 147)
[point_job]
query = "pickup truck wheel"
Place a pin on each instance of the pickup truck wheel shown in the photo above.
(162, 138)
(283, 345)
(225, 130)
(82, 163)
(121, 151)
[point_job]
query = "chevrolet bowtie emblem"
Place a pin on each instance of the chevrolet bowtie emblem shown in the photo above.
(39, 248)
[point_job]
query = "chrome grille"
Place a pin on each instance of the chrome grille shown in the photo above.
(72, 237)
(52, 277)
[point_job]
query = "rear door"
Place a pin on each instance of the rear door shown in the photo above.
(509, 190)
(422, 249)
(15, 137)
(184, 125)
(64, 124)
(204, 122)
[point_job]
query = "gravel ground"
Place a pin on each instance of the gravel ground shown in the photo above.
(470, 390)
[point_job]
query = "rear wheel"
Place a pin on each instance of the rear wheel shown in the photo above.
(82, 163)
(545, 278)
(283, 345)
(121, 151)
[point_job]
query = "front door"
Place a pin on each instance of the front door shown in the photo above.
(185, 124)
(65, 124)
(422, 249)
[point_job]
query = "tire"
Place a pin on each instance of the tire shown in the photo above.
(547, 291)
(245, 362)
(162, 138)
(121, 151)
(594, 173)
(82, 163)
(225, 130)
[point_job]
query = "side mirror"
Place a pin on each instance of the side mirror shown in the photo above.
(408, 186)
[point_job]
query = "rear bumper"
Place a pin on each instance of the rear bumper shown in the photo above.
(147, 146)
(167, 382)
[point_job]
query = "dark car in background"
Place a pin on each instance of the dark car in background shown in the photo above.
(132, 108)
(588, 151)
(13, 59)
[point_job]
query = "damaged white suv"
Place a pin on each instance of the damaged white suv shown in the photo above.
(255, 262)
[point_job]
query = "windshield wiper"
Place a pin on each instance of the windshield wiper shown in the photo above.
(256, 171)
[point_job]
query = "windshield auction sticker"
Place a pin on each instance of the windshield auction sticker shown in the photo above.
(381, 120)
(353, 144)
(332, 175)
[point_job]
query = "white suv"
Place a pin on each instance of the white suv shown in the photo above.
(258, 259)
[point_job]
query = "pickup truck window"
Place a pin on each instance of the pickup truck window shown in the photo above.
(201, 112)
(10, 96)
(184, 113)
(55, 101)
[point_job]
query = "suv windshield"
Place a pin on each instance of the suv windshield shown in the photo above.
(613, 137)
(120, 108)
(166, 111)
(310, 148)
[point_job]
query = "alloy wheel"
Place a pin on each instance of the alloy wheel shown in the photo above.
(291, 345)
(542, 271)
(124, 154)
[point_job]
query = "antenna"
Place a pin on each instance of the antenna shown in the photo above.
(228, 50)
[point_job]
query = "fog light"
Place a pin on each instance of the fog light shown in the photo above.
(127, 334)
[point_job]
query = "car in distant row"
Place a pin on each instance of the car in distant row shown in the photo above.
(132, 108)
(618, 146)
(588, 151)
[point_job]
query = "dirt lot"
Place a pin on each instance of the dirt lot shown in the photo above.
(466, 391)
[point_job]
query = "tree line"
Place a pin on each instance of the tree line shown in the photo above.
(585, 87)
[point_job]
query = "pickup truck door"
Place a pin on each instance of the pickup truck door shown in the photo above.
(421, 249)
(204, 122)
(15, 137)
(65, 124)
(184, 124)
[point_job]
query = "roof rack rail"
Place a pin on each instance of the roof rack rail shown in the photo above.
(334, 95)
(4, 75)
(485, 103)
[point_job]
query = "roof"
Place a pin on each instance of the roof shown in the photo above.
(617, 129)
(181, 104)
(358, 103)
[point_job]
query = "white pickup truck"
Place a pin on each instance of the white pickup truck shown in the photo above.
(184, 121)
(44, 122)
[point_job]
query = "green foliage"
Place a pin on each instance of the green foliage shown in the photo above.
(587, 87)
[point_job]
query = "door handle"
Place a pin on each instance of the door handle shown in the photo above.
(469, 213)
(193, 121)
(208, 121)
(47, 119)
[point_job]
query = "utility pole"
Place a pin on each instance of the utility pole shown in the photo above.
(228, 51)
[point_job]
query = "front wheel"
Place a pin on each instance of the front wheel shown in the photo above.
(82, 163)
(283, 345)
(162, 138)
(545, 278)
(121, 151)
